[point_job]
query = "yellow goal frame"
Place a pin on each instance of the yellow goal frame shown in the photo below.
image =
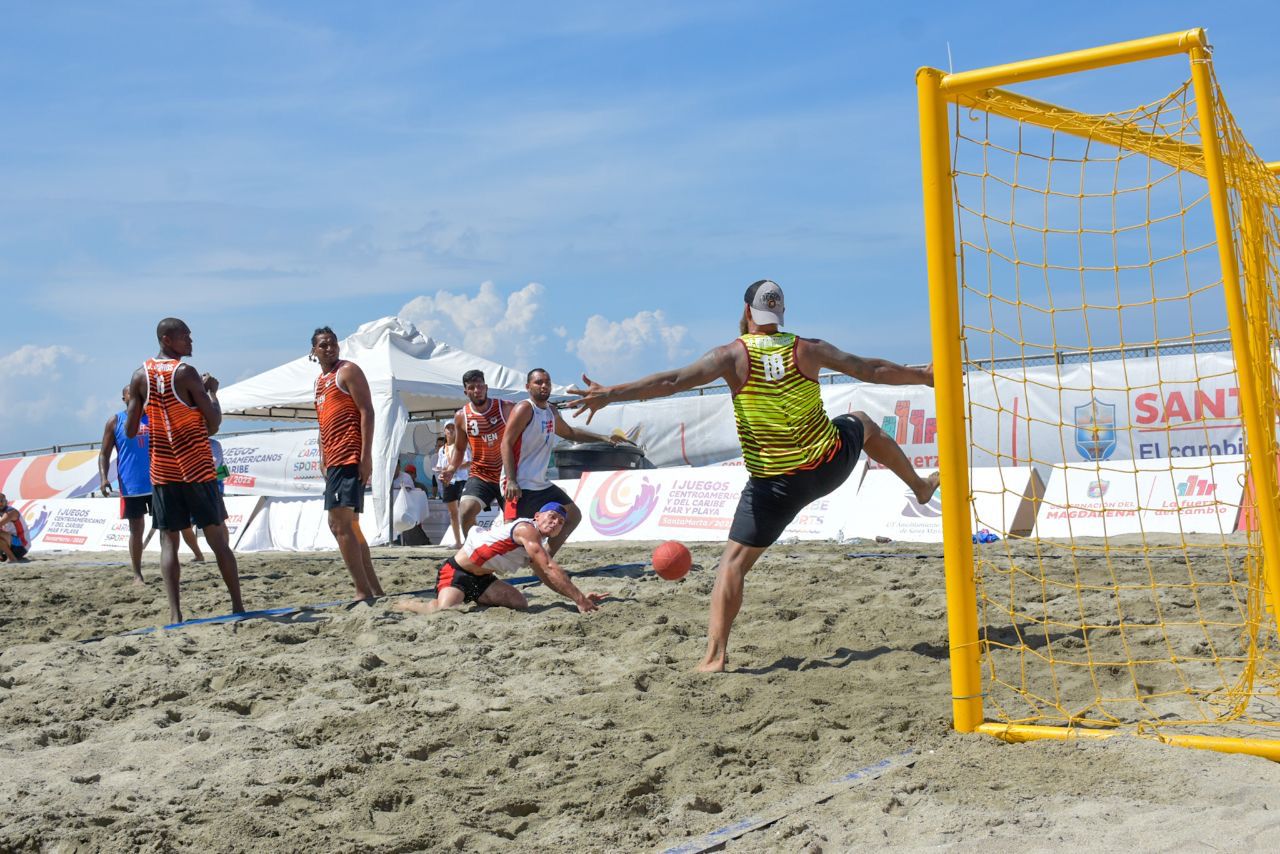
(936, 91)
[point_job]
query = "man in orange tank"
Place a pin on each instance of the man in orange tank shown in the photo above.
(182, 413)
(484, 422)
(345, 409)
(793, 451)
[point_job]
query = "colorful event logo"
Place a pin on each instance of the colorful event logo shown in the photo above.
(619, 506)
(36, 515)
(932, 510)
(1098, 488)
(1095, 429)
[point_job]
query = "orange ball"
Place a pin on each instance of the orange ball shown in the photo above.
(672, 560)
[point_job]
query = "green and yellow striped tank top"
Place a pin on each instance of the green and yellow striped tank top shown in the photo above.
(781, 423)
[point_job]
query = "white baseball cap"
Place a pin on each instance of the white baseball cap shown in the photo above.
(765, 299)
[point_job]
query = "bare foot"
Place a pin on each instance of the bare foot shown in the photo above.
(139, 580)
(712, 665)
(928, 487)
(416, 606)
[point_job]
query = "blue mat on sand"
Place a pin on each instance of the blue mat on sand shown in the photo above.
(267, 613)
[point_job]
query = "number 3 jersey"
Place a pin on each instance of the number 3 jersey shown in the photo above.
(782, 424)
(484, 432)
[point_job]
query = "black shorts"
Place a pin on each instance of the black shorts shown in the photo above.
(531, 502)
(483, 490)
(175, 506)
(453, 490)
(19, 552)
(342, 487)
(135, 506)
(768, 504)
(472, 586)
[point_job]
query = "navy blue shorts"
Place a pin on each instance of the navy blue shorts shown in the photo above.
(342, 487)
(176, 506)
(483, 490)
(769, 504)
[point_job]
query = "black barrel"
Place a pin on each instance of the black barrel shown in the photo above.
(571, 460)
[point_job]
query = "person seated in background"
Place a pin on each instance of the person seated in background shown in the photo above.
(14, 542)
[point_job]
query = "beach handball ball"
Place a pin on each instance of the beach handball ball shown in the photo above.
(672, 560)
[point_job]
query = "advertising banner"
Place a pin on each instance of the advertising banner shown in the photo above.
(94, 524)
(71, 474)
(1003, 504)
(281, 463)
(1195, 496)
(240, 509)
(81, 524)
(691, 504)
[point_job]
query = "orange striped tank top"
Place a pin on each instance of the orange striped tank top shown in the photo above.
(180, 451)
(340, 438)
(484, 432)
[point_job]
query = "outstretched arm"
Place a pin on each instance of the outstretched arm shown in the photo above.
(714, 365)
(565, 430)
(104, 455)
(818, 354)
(551, 573)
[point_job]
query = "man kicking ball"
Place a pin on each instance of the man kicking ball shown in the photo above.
(793, 451)
(469, 576)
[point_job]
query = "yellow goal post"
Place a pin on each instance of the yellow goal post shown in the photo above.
(1051, 230)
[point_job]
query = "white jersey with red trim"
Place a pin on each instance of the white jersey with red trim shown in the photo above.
(496, 548)
(533, 449)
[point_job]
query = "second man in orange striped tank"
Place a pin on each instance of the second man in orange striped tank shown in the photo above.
(345, 409)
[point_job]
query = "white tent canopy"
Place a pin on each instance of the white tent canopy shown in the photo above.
(408, 374)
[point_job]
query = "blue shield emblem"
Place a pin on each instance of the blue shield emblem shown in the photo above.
(1096, 429)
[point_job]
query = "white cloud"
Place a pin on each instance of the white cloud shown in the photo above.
(624, 349)
(32, 361)
(506, 328)
(44, 399)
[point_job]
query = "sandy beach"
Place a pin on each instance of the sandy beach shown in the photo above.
(361, 729)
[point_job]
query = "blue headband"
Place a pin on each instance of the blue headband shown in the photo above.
(554, 507)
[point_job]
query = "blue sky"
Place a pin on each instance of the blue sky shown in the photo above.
(573, 185)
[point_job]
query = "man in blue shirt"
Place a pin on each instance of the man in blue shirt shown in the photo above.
(133, 470)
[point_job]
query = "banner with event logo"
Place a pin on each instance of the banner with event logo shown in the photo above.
(280, 463)
(1195, 496)
(94, 524)
(693, 504)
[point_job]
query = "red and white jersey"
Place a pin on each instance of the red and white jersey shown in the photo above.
(484, 433)
(533, 448)
(496, 549)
